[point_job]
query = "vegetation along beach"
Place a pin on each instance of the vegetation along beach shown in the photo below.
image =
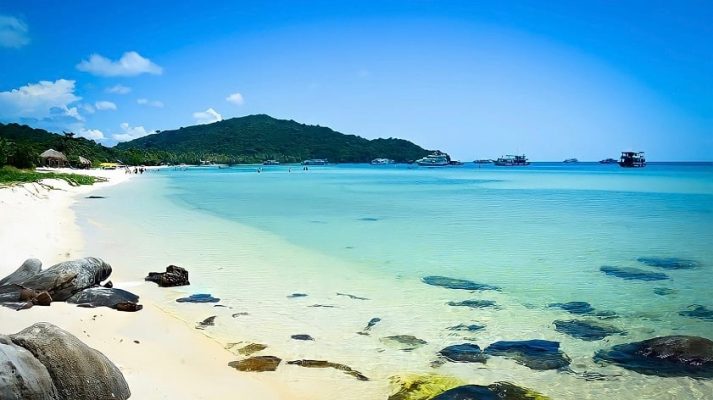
(402, 201)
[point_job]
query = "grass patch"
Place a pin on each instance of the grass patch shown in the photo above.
(12, 176)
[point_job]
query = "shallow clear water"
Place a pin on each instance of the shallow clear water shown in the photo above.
(541, 233)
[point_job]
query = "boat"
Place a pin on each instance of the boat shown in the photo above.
(483, 161)
(608, 161)
(315, 161)
(270, 162)
(512, 161)
(570, 161)
(455, 162)
(382, 161)
(436, 159)
(632, 159)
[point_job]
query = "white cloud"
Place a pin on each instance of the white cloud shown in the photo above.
(88, 108)
(131, 132)
(130, 64)
(44, 99)
(94, 134)
(13, 32)
(150, 103)
(236, 98)
(105, 105)
(118, 89)
(207, 117)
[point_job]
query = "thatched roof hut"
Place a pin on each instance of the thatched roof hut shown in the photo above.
(53, 158)
(85, 162)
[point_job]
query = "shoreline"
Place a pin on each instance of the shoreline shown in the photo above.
(148, 346)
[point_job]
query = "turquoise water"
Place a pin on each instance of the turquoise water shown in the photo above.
(541, 233)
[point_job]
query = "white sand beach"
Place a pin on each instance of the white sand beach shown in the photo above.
(158, 354)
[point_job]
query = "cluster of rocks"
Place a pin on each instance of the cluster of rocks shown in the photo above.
(77, 282)
(44, 362)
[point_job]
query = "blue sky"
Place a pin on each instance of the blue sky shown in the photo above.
(582, 79)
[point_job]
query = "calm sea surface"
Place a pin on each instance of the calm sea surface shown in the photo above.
(540, 233)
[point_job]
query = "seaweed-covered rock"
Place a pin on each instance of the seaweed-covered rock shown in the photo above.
(466, 352)
(369, 325)
(28, 269)
(62, 280)
(496, 391)
(585, 330)
(403, 342)
(669, 262)
(575, 307)
(473, 304)
(535, 354)
(251, 349)
(698, 311)
(327, 364)
(77, 371)
(664, 291)
(198, 298)
(421, 387)
(174, 276)
(22, 376)
(630, 274)
(664, 356)
(256, 364)
(210, 321)
(452, 283)
(103, 297)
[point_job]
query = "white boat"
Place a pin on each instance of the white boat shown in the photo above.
(315, 161)
(437, 159)
(382, 161)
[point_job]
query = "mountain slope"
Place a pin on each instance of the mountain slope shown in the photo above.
(255, 138)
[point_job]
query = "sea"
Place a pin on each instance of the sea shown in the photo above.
(325, 250)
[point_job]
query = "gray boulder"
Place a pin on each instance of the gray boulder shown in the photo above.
(22, 376)
(64, 279)
(77, 370)
(29, 268)
(99, 296)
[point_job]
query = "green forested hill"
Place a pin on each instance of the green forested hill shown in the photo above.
(256, 138)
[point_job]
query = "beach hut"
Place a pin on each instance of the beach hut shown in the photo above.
(84, 163)
(53, 158)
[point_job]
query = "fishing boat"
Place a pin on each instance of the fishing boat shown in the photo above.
(382, 161)
(608, 161)
(483, 161)
(512, 161)
(315, 161)
(270, 162)
(570, 161)
(437, 159)
(632, 159)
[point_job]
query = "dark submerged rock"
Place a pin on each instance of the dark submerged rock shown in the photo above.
(174, 276)
(103, 297)
(326, 364)
(585, 330)
(403, 342)
(466, 352)
(62, 280)
(256, 364)
(302, 337)
(698, 311)
(22, 376)
(296, 295)
(473, 303)
(466, 328)
(351, 296)
(666, 356)
(77, 371)
(669, 262)
(535, 354)
(198, 298)
(452, 283)
(664, 291)
(210, 321)
(630, 274)
(496, 391)
(95, 197)
(575, 307)
(369, 325)
(28, 269)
